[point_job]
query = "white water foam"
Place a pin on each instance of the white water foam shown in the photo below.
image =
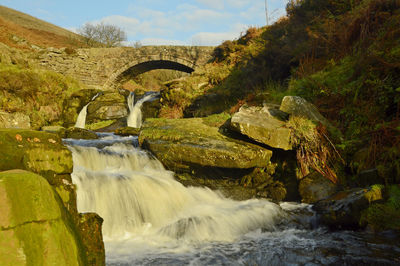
(145, 209)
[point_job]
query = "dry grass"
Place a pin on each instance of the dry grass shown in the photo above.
(29, 30)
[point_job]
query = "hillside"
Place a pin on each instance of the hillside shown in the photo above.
(23, 31)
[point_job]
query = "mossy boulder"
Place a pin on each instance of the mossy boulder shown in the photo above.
(263, 124)
(34, 226)
(109, 105)
(344, 209)
(315, 187)
(179, 143)
(77, 133)
(384, 215)
(36, 151)
(299, 107)
(127, 131)
(92, 238)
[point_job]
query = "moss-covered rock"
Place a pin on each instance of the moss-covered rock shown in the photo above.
(179, 143)
(90, 229)
(344, 209)
(34, 227)
(78, 133)
(299, 107)
(263, 124)
(44, 153)
(315, 187)
(36, 151)
(127, 131)
(109, 105)
(384, 216)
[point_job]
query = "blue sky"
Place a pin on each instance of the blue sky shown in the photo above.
(152, 22)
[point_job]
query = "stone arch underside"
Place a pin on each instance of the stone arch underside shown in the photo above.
(136, 69)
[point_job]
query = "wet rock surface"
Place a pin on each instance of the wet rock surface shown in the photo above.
(315, 187)
(343, 209)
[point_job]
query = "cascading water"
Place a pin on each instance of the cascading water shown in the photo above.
(81, 120)
(149, 218)
(135, 110)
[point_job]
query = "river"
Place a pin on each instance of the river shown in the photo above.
(151, 219)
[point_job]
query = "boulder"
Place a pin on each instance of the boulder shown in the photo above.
(127, 131)
(34, 227)
(344, 209)
(14, 120)
(44, 153)
(90, 229)
(107, 106)
(179, 143)
(53, 129)
(315, 187)
(36, 151)
(263, 124)
(297, 106)
(77, 133)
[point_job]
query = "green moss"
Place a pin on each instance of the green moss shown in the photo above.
(216, 120)
(384, 216)
(64, 194)
(38, 221)
(98, 125)
(39, 93)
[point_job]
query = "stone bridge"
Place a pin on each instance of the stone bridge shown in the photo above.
(108, 68)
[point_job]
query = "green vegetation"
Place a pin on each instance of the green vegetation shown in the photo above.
(35, 92)
(343, 56)
(384, 216)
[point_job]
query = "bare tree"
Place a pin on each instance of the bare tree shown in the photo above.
(103, 34)
(88, 31)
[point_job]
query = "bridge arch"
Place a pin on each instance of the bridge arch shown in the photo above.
(143, 65)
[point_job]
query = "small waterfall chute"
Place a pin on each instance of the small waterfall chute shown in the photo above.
(81, 120)
(135, 110)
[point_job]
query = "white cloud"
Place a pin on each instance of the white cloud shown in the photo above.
(215, 4)
(157, 41)
(209, 18)
(238, 3)
(216, 38)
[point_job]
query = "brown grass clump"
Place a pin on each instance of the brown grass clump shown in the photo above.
(314, 149)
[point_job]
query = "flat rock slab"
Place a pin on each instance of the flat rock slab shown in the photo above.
(179, 143)
(263, 124)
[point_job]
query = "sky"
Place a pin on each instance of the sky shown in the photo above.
(158, 22)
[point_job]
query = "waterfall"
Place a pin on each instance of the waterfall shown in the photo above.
(137, 197)
(81, 120)
(135, 112)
